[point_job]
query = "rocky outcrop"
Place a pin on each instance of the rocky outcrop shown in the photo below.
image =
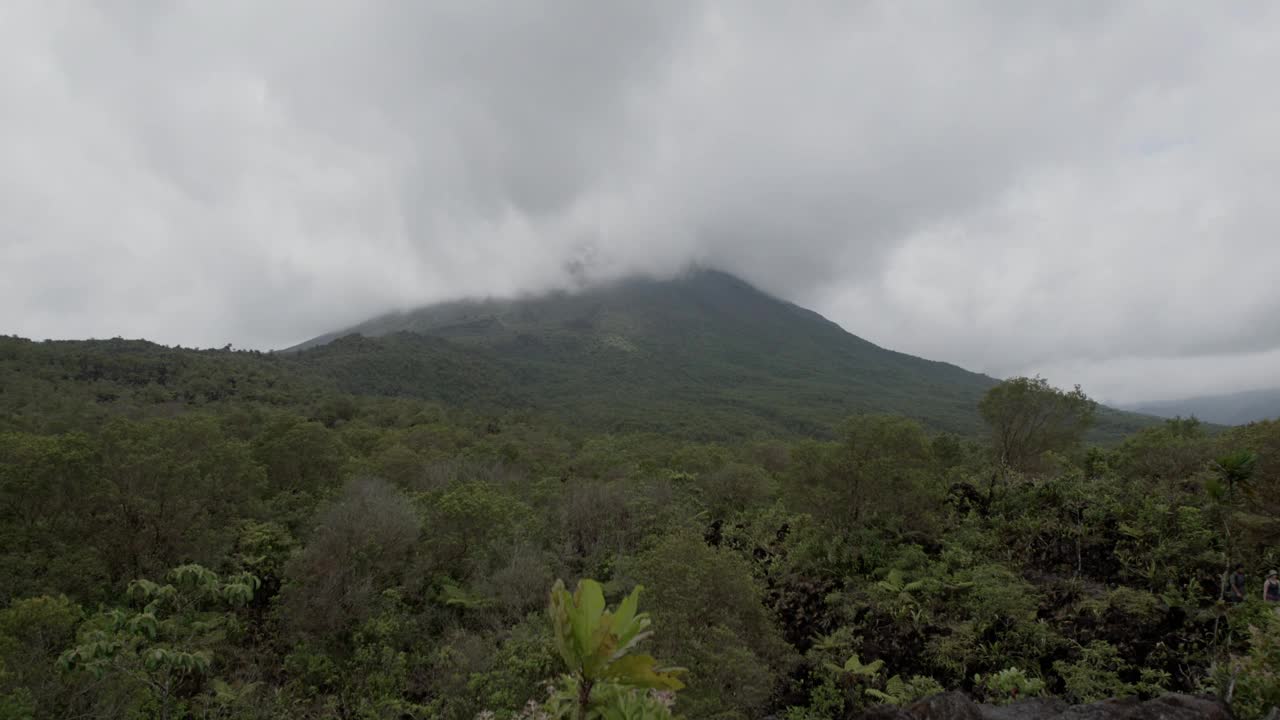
(947, 706)
(1030, 709)
(958, 706)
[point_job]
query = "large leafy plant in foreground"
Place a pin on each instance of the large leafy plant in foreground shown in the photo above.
(605, 679)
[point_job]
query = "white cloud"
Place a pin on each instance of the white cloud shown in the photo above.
(1080, 188)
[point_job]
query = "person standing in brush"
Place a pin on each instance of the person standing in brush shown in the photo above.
(1271, 589)
(1235, 585)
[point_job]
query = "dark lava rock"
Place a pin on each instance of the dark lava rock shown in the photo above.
(885, 712)
(1180, 707)
(947, 706)
(1165, 707)
(1028, 709)
(1106, 710)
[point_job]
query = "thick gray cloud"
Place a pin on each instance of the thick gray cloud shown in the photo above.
(1080, 189)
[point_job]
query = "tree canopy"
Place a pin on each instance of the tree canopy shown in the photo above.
(1028, 417)
(260, 545)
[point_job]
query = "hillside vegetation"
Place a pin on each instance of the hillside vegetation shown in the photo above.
(355, 532)
(703, 355)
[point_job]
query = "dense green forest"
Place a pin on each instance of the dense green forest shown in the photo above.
(216, 534)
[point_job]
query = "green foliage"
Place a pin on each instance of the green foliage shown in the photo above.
(16, 703)
(1234, 471)
(263, 549)
(1008, 685)
(714, 622)
(1096, 673)
(605, 678)
(33, 632)
(856, 668)
(1167, 452)
(236, 535)
(1028, 418)
(362, 544)
(473, 524)
(904, 691)
(734, 486)
(1256, 673)
(880, 468)
(163, 648)
(855, 684)
(519, 668)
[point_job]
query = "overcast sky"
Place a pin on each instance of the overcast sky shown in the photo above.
(1088, 190)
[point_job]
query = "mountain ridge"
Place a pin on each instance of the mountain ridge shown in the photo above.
(1237, 408)
(704, 343)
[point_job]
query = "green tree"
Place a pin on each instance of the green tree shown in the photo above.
(299, 456)
(1028, 417)
(172, 492)
(472, 525)
(715, 623)
(1230, 481)
(361, 545)
(1096, 674)
(159, 654)
(1256, 673)
(882, 466)
(879, 471)
(1171, 451)
(50, 490)
(33, 632)
(735, 487)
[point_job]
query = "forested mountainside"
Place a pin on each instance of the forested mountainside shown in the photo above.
(704, 357)
(704, 354)
(192, 534)
(1232, 409)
